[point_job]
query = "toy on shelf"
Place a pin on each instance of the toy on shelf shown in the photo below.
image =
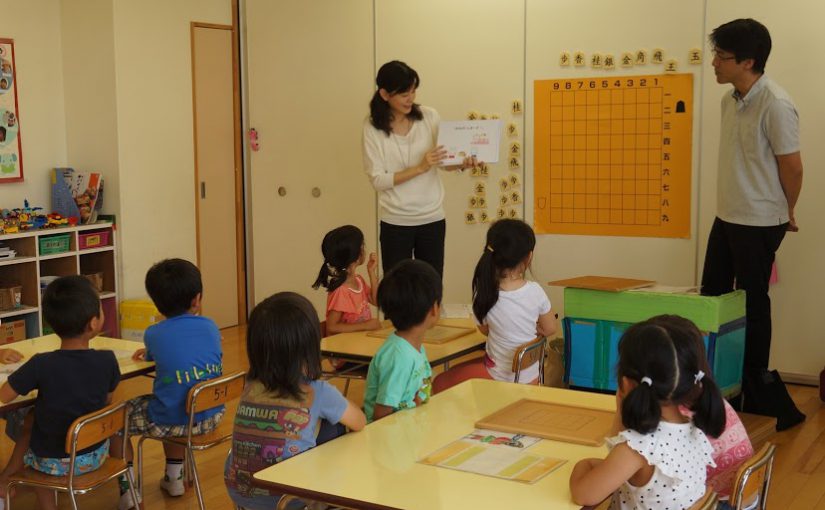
(22, 219)
(11, 223)
(56, 220)
(27, 216)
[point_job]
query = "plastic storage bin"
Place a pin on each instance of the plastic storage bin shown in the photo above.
(95, 239)
(596, 320)
(135, 316)
(51, 245)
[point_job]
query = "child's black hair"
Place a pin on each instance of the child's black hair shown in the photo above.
(665, 349)
(283, 343)
(745, 38)
(509, 243)
(408, 292)
(340, 247)
(394, 77)
(69, 303)
(173, 284)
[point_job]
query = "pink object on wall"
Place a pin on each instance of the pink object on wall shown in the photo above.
(774, 275)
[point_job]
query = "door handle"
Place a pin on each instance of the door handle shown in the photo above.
(203, 189)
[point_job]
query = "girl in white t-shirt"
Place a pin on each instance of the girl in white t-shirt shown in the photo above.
(659, 458)
(508, 308)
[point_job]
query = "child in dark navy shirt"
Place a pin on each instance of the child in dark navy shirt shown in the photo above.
(71, 381)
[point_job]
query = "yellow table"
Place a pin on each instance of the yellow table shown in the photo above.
(358, 347)
(123, 351)
(377, 468)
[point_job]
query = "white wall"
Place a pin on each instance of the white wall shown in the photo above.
(797, 36)
(35, 27)
(153, 72)
(310, 67)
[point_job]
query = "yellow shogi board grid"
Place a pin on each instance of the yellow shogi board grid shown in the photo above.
(613, 155)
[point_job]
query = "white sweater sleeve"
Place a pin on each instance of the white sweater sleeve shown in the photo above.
(374, 165)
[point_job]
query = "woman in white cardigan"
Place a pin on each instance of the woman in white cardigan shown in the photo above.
(401, 159)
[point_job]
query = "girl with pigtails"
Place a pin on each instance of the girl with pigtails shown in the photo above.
(659, 457)
(348, 295)
(508, 308)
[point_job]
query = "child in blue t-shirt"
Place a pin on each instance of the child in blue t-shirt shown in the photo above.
(71, 381)
(285, 408)
(186, 349)
(400, 376)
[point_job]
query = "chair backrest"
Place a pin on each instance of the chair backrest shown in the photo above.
(708, 501)
(754, 478)
(529, 353)
(215, 392)
(94, 428)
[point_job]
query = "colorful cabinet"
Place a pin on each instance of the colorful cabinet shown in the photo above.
(595, 321)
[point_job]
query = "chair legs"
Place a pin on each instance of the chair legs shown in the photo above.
(191, 456)
(136, 498)
(140, 466)
(73, 497)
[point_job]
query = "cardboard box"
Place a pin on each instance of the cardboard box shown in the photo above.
(12, 331)
(135, 316)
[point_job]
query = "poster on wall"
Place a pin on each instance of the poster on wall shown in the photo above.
(613, 156)
(11, 149)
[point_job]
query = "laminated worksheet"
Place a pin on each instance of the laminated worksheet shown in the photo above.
(496, 454)
(464, 138)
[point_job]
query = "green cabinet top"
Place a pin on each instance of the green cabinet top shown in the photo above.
(707, 312)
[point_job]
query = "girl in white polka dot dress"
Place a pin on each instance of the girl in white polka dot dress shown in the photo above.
(659, 458)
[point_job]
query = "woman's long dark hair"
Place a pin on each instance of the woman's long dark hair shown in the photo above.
(394, 77)
(666, 349)
(509, 243)
(340, 247)
(283, 344)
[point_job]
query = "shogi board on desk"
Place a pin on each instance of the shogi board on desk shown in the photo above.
(548, 420)
(607, 283)
(438, 334)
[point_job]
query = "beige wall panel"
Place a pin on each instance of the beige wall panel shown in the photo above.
(610, 27)
(155, 140)
(35, 28)
(796, 33)
(310, 70)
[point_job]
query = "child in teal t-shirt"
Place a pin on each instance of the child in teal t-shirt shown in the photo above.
(400, 376)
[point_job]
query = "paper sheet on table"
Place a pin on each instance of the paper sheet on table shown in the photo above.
(495, 454)
(123, 353)
(456, 311)
(464, 138)
(668, 289)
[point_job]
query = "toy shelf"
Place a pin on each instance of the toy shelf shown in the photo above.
(47, 252)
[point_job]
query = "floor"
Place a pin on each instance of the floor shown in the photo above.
(798, 479)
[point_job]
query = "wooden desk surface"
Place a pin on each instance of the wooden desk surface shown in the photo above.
(378, 468)
(358, 346)
(123, 350)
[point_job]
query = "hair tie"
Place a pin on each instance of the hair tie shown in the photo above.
(647, 380)
(698, 377)
(489, 248)
(332, 270)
